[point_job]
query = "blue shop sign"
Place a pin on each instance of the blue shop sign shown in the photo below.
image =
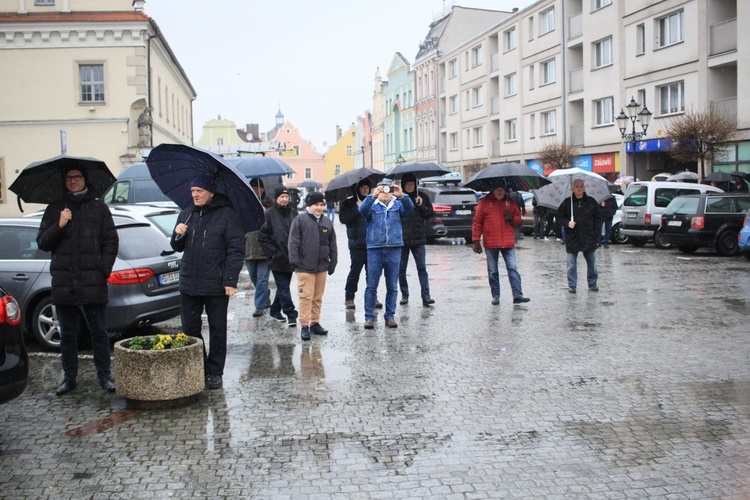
(536, 165)
(648, 145)
(583, 162)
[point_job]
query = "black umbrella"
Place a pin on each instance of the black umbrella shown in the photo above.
(516, 177)
(174, 166)
(309, 183)
(718, 177)
(260, 166)
(44, 181)
(345, 185)
(741, 175)
(418, 170)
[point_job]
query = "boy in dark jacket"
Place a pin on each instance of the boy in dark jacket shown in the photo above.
(415, 239)
(312, 254)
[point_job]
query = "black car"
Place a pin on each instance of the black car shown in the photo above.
(14, 361)
(705, 220)
(454, 210)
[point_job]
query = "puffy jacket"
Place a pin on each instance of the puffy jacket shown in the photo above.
(213, 247)
(384, 223)
(253, 250)
(274, 236)
(489, 222)
(609, 208)
(414, 223)
(356, 225)
(312, 244)
(83, 252)
(586, 213)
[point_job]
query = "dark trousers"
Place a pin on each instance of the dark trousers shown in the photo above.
(282, 301)
(72, 319)
(359, 262)
(419, 252)
(191, 308)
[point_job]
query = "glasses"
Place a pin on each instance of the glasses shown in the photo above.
(73, 177)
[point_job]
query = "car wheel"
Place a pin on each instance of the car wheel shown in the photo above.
(687, 249)
(617, 237)
(638, 242)
(660, 241)
(727, 244)
(45, 325)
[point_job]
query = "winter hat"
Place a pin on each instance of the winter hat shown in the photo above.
(364, 182)
(408, 178)
(204, 181)
(279, 191)
(83, 171)
(314, 198)
(255, 182)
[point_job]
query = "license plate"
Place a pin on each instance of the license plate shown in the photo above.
(463, 212)
(169, 278)
(632, 215)
(677, 223)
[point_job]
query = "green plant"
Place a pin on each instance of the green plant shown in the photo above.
(159, 342)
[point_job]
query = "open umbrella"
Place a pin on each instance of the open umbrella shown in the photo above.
(260, 166)
(417, 169)
(516, 176)
(552, 195)
(44, 181)
(309, 183)
(345, 185)
(684, 177)
(718, 177)
(174, 166)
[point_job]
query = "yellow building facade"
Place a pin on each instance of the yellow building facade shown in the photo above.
(340, 156)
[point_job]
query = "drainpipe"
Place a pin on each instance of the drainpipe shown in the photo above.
(564, 53)
(148, 89)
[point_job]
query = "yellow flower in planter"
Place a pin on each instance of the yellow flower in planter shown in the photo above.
(158, 342)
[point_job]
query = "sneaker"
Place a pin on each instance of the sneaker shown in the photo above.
(215, 382)
(593, 288)
(291, 321)
(378, 304)
(259, 312)
(349, 304)
(316, 329)
(277, 316)
(428, 302)
(369, 324)
(495, 301)
(65, 387)
(305, 333)
(390, 323)
(571, 289)
(520, 300)
(404, 301)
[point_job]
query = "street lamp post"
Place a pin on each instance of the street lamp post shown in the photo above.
(400, 160)
(635, 114)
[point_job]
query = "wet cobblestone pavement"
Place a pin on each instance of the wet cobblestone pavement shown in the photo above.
(641, 390)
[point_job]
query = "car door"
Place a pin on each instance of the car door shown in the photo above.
(23, 267)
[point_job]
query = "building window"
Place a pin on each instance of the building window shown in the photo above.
(510, 85)
(337, 170)
(531, 28)
(546, 21)
(476, 56)
(452, 68)
(92, 82)
(348, 150)
(549, 122)
(44, 2)
(531, 76)
(603, 53)
(511, 132)
(670, 29)
(219, 141)
(599, 4)
(453, 104)
(672, 98)
(308, 173)
(478, 96)
(532, 125)
(605, 111)
(510, 39)
(454, 141)
(640, 39)
(478, 133)
(548, 72)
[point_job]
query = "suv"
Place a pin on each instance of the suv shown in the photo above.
(454, 210)
(645, 202)
(706, 220)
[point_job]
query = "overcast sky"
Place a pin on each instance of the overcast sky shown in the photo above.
(313, 59)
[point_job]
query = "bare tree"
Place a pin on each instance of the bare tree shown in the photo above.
(699, 135)
(472, 168)
(556, 155)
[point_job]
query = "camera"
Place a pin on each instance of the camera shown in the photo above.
(386, 189)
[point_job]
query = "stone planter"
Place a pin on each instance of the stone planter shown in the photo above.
(169, 376)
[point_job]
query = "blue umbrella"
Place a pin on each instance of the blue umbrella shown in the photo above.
(260, 166)
(174, 166)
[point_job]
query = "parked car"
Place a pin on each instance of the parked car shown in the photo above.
(645, 202)
(14, 360)
(161, 217)
(527, 221)
(135, 185)
(454, 210)
(743, 238)
(709, 220)
(143, 285)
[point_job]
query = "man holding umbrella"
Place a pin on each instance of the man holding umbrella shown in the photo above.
(580, 215)
(81, 235)
(415, 240)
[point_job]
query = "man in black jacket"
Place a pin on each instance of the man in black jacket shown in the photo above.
(415, 239)
(580, 214)
(212, 239)
(609, 207)
(274, 239)
(81, 235)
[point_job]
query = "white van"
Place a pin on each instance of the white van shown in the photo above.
(645, 202)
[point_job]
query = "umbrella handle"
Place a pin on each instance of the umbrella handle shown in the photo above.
(180, 236)
(18, 199)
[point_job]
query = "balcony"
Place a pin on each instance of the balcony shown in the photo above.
(575, 26)
(726, 107)
(442, 120)
(722, 37)
(495, 105)
(576, 134)
(496, 147)
(495, 62)
(576, 81)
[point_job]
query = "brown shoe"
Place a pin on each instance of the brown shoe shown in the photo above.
(391, 323)
(378, 304)
(369, 324)
(349, 304)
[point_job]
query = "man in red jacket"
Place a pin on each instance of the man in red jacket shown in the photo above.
(495, 219)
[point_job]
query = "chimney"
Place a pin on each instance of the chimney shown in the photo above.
(338, 133)
(138, 5)
(515, 9)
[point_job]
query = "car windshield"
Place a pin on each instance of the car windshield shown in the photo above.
(140, 242)
(147, 190)
(682, 206)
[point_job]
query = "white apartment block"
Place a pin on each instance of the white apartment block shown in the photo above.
(560, 71)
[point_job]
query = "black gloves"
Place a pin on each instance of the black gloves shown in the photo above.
(477, 247)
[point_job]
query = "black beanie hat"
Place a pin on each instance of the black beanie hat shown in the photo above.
(279, 191)
(314, 198)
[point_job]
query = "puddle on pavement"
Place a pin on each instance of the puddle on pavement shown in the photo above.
(307, 361)
(737, 305)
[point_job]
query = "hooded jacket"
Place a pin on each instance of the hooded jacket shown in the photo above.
(489, 222)
(83, 252)
(356, 225)
(384, 223)
(414, 223)
(274, 236)
(213, 248)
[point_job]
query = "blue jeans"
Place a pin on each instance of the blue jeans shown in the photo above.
(72, 319)
(359, 261)
(191, 308)
(509, 256)
(591, 275)
(258, 269)
(331, 213)
(607, 234)
(386, 261)
(282, 301)
(419, 252)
